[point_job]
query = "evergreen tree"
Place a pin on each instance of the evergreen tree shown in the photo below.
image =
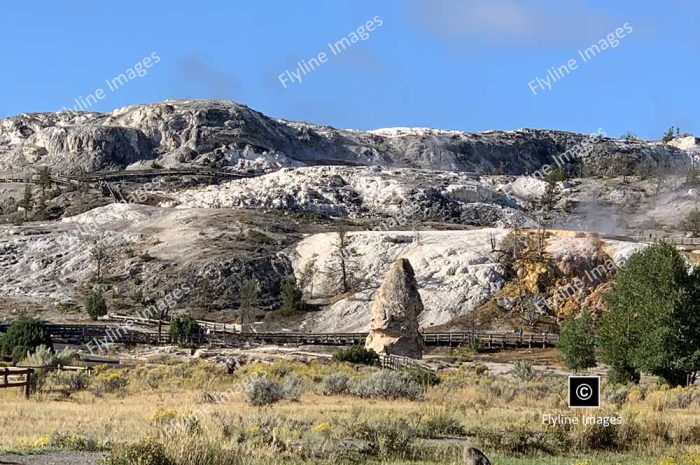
(27, 201)
(248, 293)
(185, 330)
(691, 223)
(45, 181)
(95, 305)
(292, 297)
(24, 336)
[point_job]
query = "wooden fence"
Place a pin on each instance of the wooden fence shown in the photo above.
(488, 340)
(8, 379)
(99, 335)
(398, 362)
(207, 325)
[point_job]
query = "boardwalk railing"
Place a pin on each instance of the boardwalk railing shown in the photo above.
(80, 334)
(87, 370)
(9, 375)
(491, 340)
(207, 325)
(675, 240)
(398, 362)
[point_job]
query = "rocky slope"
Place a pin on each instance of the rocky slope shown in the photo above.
(402, 192)
(456, 271)
(226, 134)
(393, 197)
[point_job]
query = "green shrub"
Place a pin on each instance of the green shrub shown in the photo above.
(67, 307)
(19, 353)
(74, 441)
(144, 452)
(70, 382)
(481, 369)
(109, 381)
(293, 387)
(388, 385)
(520, 441)
(259, 237)
(357, 354)
(335, 384)
(261, 390)
(438, 425)
(475, 345)
(616, 394)
(95, 305)
(523, 370)
(185, 330)
(24, 336)
(388, 437)
(292, 298)
(45, 357)
(422, 376)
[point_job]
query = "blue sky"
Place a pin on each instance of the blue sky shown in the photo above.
(454, 64)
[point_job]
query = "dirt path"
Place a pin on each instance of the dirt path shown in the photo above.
(53, 458)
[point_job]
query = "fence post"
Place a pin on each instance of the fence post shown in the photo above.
(26, 384)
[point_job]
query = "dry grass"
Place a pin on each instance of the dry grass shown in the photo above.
(501, 415)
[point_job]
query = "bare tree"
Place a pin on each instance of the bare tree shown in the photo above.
(529, 312)
(206, 293)
(162, 311)
(344, 270)
(308, 272)
(45, 180)
(100, 253)
(27, 202)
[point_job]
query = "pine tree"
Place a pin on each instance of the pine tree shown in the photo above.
(248, 294)
(45, 181)
(27, 201)
(292, 297)
(95, 305)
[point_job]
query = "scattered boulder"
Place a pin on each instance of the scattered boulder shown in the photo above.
(473, 456)
(397, 304)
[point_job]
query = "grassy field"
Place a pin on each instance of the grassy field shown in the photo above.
(193, 413)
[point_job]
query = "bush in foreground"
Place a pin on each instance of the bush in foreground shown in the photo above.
(422, 376)
(144, 452)
(336, 384)
(388, 385)
(263, 390)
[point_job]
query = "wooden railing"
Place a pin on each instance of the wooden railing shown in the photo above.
(398, 362)
(207, 325)
(488, 340)
(8, 377)
(80, 334)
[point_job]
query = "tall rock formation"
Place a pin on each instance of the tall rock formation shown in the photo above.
(394, 325)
